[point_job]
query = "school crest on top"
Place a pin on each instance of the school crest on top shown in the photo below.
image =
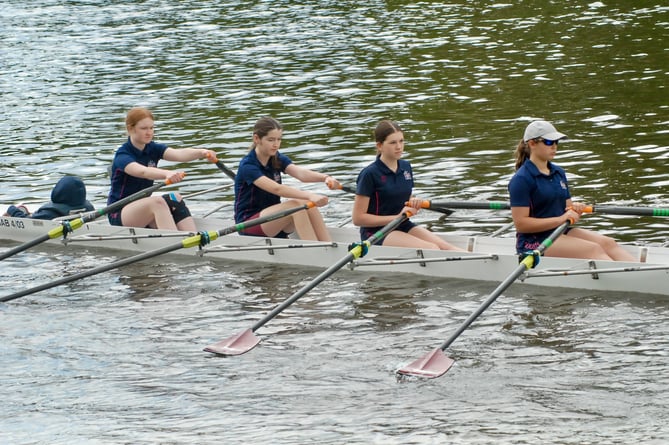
(407, 176)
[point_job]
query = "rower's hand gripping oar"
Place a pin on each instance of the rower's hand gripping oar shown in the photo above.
(68, 226)
(347, 188)
(499, 205)
(436, 363)
(199, 239)
(425, 204)
(246, 340)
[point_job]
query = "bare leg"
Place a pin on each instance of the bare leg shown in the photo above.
(426, 235)
(569, 246)
(187, 225)
(402, 239)
(608, 244)
(320, 229)
(148, 212)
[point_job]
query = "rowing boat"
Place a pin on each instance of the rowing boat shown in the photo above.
(487, 258)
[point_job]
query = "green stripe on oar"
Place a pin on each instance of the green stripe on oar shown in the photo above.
(484, 205)
(637, 211)
(69, 226)
(436, 363)
(246, 340)
(199, 239)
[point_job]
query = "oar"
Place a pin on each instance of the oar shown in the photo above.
(73, 224)
(637, 211)
(498, 205)
(199, 239)
(435, 207)
(441, 206)
(348, 188)
(225, 169)
(436, 363)
(246, 340)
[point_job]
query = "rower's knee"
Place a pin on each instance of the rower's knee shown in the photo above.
(597, 252)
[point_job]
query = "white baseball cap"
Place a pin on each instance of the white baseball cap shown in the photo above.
(542, 129)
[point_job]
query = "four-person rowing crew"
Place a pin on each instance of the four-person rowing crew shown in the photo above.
(540, 202)
(539, 192)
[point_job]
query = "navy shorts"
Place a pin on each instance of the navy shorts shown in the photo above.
(526, 242)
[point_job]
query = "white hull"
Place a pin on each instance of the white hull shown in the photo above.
(488, 259)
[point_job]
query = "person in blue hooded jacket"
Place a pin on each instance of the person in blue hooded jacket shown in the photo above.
(68, 197)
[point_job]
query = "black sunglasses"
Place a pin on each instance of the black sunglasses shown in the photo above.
(548, 142)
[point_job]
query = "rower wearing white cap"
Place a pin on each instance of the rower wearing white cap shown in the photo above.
(540, 201)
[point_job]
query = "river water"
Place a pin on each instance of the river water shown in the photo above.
(117, 357)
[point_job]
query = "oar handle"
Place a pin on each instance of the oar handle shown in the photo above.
(127, 200)
(347, 188)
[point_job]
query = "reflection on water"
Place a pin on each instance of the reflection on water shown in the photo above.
(116, 358)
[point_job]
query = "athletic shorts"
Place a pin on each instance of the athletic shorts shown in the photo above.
(257, 230)
(526, 242)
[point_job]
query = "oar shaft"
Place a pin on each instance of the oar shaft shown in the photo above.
(299, 294)
(482, 205)
(94, 271)
(499, 205)
(225, 169)
(263, 219)
(352, 254)
(526, 264)
(24, 246)
(190, 241)
(68, 226)
(635, 211)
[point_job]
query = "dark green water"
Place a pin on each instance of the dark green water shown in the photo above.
(117, 358)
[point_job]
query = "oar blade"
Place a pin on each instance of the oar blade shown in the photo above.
(238, 344)
(432, 365)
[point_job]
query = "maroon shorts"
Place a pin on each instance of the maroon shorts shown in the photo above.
(257, 230)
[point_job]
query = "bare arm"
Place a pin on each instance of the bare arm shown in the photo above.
(188, 154)
(154, 173)
(363, 219)
(286, 191)
(528, 224)
(305, 175)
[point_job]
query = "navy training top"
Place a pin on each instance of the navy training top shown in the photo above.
(123, 184)
(250, 199)
(545, 194)
(387, 190)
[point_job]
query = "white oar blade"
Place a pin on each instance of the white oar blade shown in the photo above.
(235, 345)
(432, 365)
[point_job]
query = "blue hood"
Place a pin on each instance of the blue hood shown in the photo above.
(70, 194)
